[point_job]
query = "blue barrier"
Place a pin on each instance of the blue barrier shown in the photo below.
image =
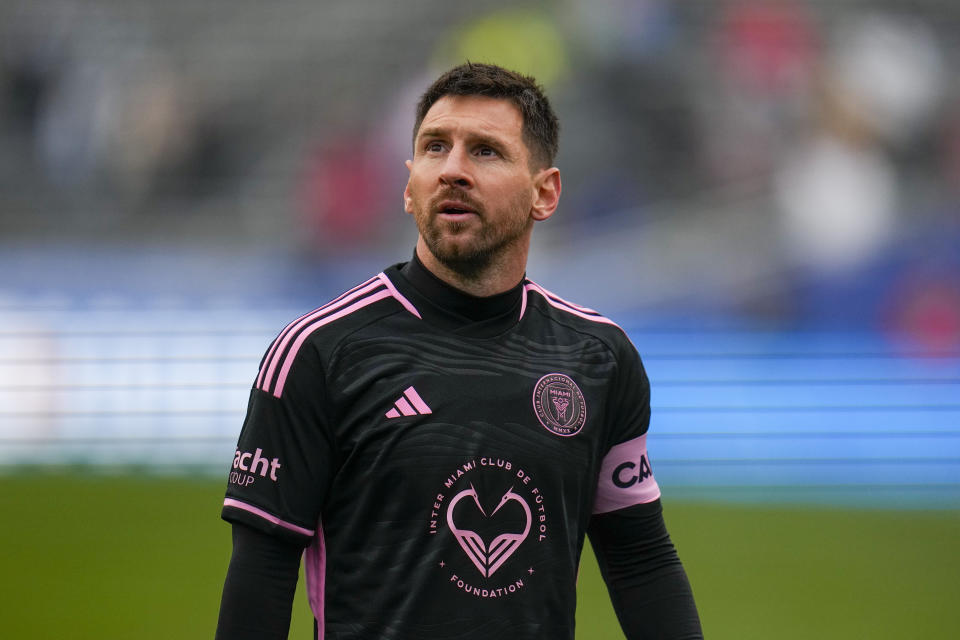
(848, 417)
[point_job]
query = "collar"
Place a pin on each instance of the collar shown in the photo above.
(451, 309)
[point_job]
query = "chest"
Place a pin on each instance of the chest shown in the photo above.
(539, 389)
(451, 439)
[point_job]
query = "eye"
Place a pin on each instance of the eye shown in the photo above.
(433, 147)
(487, 152)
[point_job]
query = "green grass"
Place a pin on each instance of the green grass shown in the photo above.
(119, 557)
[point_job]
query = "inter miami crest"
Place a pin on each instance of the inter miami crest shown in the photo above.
(559, 404)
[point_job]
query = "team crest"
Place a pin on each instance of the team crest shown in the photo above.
(559, 404)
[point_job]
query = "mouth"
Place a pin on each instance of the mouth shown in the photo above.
(455, 209)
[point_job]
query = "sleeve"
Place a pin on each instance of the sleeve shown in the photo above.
(648, 586)
(626, 476)
(259, 588)
(285, 458)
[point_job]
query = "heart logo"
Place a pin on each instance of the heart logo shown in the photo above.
(488, 558)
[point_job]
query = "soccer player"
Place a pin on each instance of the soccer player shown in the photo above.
(440, 438)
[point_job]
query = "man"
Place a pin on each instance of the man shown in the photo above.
(442, 437)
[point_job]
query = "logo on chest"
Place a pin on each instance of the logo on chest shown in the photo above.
(497, 515)
(487, 558)
(558, 403)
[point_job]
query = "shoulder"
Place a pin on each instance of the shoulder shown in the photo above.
(553, 308)
(327, 325)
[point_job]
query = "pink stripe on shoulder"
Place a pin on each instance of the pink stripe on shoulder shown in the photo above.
(553, 296)
(563, 305)
(297, 331)
(626, 477)
(310, 328)
(280, 343)
(237, 504)
(396, 294)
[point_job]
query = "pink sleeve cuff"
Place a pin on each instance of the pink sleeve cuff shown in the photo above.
(249, 508)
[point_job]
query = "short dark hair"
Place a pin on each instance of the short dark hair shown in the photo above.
(540, 125)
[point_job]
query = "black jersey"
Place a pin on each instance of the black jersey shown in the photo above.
(442, 455)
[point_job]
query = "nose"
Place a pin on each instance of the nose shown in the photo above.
(456, 170)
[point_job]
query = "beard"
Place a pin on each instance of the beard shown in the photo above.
(468, 248)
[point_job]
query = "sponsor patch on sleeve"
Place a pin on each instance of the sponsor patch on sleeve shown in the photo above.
(626, 477)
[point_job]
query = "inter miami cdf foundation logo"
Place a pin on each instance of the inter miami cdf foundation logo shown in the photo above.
(489, 517)
(488, 558)
(559, 404)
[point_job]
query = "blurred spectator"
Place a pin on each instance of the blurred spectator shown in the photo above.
(950, 151)
(342, 193)
(924, 307)
(32, 55)
(526, 40)
(892, 70)
(148, 127)
(838, 202)
(762, 57)
(767, 48)
(28, 70)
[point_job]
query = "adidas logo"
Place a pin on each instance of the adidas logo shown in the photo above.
(409, 404)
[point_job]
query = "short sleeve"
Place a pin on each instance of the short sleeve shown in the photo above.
(626, 477)
(285, 457)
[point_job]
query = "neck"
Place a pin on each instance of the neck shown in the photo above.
(502, 274)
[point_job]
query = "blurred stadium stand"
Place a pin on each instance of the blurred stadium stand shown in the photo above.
(765, 194)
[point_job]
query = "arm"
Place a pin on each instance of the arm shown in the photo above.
(647, 583)
(280, 473)
(259, 588)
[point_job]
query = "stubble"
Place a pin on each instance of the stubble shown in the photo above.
(469, 249)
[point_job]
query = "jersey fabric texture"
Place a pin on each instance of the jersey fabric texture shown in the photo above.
(441, 456)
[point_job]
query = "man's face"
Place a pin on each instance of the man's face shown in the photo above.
(471, 188)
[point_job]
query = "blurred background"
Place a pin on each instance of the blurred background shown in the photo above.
(764, 193)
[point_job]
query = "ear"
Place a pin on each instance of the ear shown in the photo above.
(407, 199)
(546, 195)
